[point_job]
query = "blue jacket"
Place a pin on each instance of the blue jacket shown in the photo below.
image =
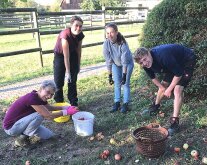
(169, 58)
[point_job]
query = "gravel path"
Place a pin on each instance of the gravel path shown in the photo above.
(21, 88)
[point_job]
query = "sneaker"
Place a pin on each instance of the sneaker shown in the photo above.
(124, 108)
(34, 139)
(116, 107)
(174, 127)
(154, 109)
(21, 141)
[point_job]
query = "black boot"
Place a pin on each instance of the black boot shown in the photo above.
(124, 108)
(174, 127)
(116, 107)
(154, 109)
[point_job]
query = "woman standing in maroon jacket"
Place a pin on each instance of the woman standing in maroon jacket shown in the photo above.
(67, 60)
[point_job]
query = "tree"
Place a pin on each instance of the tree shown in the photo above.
(97, 4)
(183, 22)
(55, 7)
(9, 3)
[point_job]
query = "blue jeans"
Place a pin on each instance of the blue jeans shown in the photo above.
(117, 77)
(30, 125)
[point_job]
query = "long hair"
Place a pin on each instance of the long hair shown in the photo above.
(120, 37)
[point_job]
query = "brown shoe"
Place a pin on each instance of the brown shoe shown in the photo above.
(34, 139)
(21, 141)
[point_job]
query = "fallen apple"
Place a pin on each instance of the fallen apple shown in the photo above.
(185, 146)
(204, 160)
(103, 156)
(106, 152)
(194, 153)
(162, 114)
(177, 149)
(27, 162)
(117, 157)
(91, 138)
(112, 141)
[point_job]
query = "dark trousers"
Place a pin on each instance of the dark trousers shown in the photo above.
(59, 77)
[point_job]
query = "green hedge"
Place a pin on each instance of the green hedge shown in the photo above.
(183, 22)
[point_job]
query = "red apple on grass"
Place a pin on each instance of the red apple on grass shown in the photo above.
(194, 153)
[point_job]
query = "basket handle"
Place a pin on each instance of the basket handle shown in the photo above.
(153, 125)
(150, 148)
(144, 138)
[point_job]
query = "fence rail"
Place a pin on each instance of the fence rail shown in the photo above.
(37, 19)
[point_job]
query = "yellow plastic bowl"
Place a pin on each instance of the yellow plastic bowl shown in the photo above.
(61, 119)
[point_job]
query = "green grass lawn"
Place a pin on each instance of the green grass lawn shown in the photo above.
(96, 96)
(27, 66)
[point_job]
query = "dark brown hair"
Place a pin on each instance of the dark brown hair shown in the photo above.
(75, 18)
(120, 37)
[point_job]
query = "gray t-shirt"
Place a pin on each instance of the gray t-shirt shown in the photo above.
(117, 54)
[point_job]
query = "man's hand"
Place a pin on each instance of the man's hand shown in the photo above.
(68, 77)
(168, 92)
(110, 79)
(123, 81)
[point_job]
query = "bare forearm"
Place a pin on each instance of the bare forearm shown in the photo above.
(157, 83)
(53, 108)
(174, 82)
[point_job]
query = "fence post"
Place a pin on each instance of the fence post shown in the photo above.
(104, 19)
(91, 20)
(37, 35)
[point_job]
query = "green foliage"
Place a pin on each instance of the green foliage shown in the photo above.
(97, 4)
(90, 5)
(183, 22)
(12, 3)
(55, 7)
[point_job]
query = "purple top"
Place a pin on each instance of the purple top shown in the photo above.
(72, 41)
(21, 108)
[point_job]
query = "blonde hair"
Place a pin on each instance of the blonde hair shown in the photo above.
(140, 52)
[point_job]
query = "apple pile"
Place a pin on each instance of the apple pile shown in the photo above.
(194, 153)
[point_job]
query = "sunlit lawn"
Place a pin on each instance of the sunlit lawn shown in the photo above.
(27, 66)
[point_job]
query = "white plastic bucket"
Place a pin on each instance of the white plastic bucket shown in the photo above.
(83, 127)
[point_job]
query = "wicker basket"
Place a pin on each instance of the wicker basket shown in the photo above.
(151, 140)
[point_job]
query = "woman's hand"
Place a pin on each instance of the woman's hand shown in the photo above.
(71, 110)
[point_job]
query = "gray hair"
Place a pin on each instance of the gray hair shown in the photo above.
(49, 83)
(140, 52)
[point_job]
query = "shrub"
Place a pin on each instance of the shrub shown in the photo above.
(183, 22)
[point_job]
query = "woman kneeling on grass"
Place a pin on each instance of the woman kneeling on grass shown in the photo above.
(24, 117)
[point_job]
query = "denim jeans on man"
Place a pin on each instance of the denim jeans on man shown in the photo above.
(30, 125)
(117, 77)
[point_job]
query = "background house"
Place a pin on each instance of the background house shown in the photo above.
(140, 14)
(70, 4)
